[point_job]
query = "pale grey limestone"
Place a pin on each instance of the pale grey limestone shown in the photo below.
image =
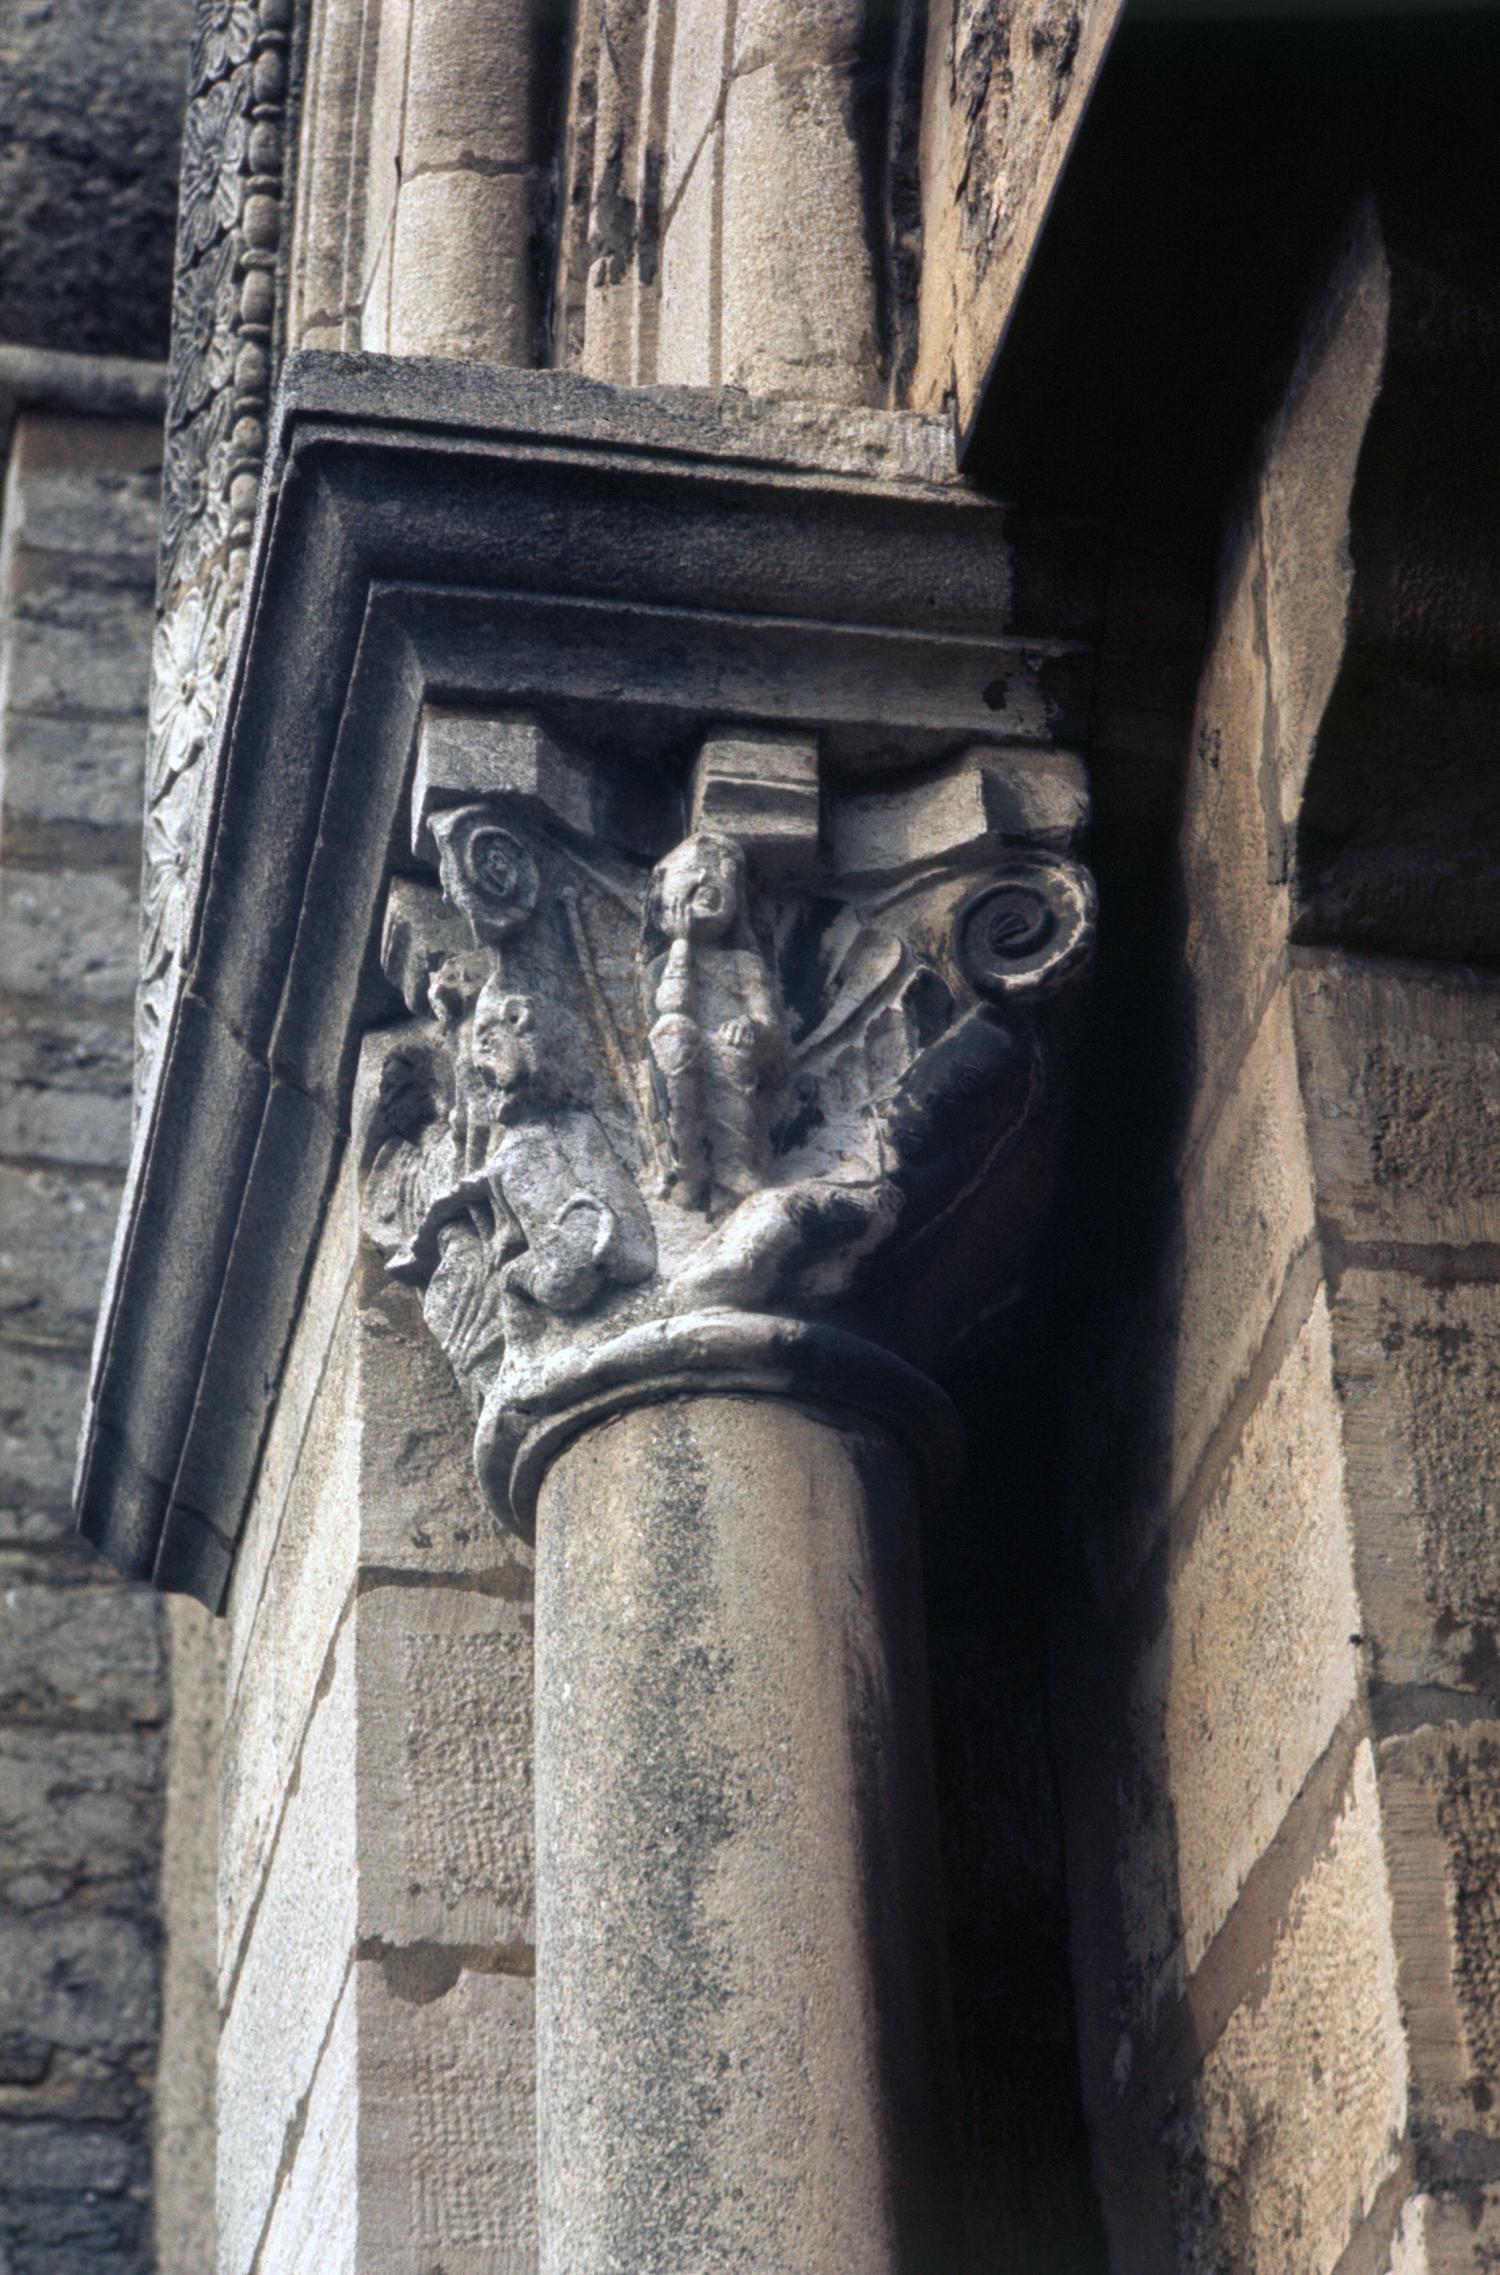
(71, 1650)
(83, 1692)
(640, 1115)
(739, 2010)
(81, 771)
(887, 624)
(56, 1227)
(64, 1087)
(68, 933)
(183, 2143)
(281, 1987)
(41, 1394)
(380, 1677)
(92, 113)
(761, 790)
(103, 514)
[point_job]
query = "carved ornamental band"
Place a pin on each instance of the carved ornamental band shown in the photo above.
(695, 1118)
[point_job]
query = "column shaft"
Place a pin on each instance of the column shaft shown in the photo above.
(739, 1994)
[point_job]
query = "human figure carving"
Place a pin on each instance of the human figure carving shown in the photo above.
(555, 1182)
(716, 1034)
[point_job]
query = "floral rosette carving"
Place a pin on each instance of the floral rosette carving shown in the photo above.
(224, 349)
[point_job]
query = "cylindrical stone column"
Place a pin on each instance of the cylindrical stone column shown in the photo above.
(740, 2005)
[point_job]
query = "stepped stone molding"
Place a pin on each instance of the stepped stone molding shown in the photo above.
(640, 575)
(651, 1124)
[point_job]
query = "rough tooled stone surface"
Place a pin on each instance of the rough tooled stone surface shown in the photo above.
(83, 1695)
(91, 95)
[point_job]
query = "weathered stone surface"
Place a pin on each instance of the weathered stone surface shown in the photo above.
(63, 771)
(1440, 1799)
(1003, 93)
(82, 653)
(41, 1398)
(736, 2013)
(462, 282)
(461, 757)
(1418, 1369)
(44, 2159)
(281, 1980)
(277, 1677)
(184, 2145)
(972, 806)
(68, 933)
(80, 1650)
(80, 1980)
(56, 1230)
(301, 1396)
(447, 2122)
(1460, 2231)
(761, 790)
(64, 1087)
(470, 167)
(82, 1684)
(47, 2235)
(80, 1812)
(1398, 827)
(421, 1509)
(315, 2224)
(1246, 1212)
(1401, 1071)
(794, 283)
(445, 1684)
(92, 111)
(1256, 1663)
(89, 488)
(1297, 2113)
(1273, 655)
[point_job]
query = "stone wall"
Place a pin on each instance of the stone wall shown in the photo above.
(1277, 1698)
(90, 119)
(375, 1894)
(83, 1685)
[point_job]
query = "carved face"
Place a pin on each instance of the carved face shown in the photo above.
(508, 1055)
(699, 888)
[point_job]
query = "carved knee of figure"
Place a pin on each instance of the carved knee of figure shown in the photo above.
(567, 1271)
(734, 1109)
(676, 1043)
(677, 1051)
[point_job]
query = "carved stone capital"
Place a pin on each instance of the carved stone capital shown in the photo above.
(707, 1113)
(777, 642)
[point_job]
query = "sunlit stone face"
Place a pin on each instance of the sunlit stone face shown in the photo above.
(699, 888)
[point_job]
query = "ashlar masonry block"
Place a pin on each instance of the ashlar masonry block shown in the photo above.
(1401, 1074)
(281, 1979)
(1440, 1799)
(314, 2226)
(56, 1229)
(446, 2171)
(1418, 1370)
(304, 1595)
(1246, 1211)
(1251, 1673)
(1296, 2115)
